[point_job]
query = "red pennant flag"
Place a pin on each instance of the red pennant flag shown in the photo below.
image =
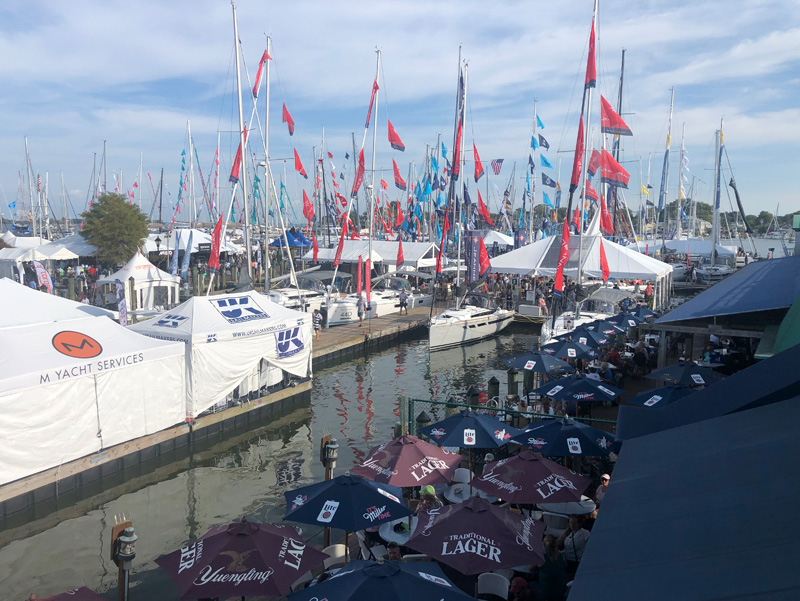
(398, 221)
(314, 247)
(563, 257)
(595, 162)
(441, 244)
(264, 58)
(338, 256)
(375, 89)
(341, 199)
(386, 227)
(398, 181)
(384, 185)
(604, 262)
(591, 193)
(358, 276)
(400, 257)
(606, 223)
(483, 211)
(612, 172)
(213, 259)
(591, 73)
(456, 165)
(611, 122)
(368, 279)
(395, 140)
(237, 162)
(308, 208)
(478, 166)
(483, 261)
(359, 174)
(576, 218)
(577, 162)
(287, 119)
(298, 165)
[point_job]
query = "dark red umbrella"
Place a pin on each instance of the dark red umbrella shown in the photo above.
(530, 478)
(240, 559)
(78, 594)
(408, 461)
(476, 536)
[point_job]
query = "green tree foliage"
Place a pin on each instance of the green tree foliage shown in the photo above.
(115, 227)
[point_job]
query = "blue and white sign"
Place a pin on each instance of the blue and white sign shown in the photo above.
(171, 321)
(239, 309)
(289, 342)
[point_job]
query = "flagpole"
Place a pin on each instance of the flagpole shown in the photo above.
(267, 174)
(680, 182)
(243, 165)
(371, 190)
(663, 196)
(461, 167)
(533, 192)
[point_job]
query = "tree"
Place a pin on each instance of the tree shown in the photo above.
(115, 227)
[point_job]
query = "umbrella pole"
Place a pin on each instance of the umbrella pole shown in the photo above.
(470, 472)
(346, 545)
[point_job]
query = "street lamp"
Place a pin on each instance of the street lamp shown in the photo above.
(158, 248)
(123, 553)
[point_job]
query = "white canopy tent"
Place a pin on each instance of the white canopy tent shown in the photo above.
(493, 236)
(152, 286)
(226, 339)
(78, 245)
(76, 384)
(180, 238)
(21, 241)
(415, 254)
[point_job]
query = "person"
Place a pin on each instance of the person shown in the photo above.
(360, 310)
(593, 375)
(614, 358)
(553, 572)
(605, 373)
(393, 552)
(518, 584)
(542, 305)
(648, 293)
(403, 301)
(428, 500)
(601, 490)
(316, 318)
(573, 542)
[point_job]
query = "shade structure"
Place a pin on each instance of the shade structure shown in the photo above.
(686, 374)
(643, 312)
(346, 502)
(568, 349)
(539, 362)
(78, 594)
(476, 536)
(626, 320)
(660, 397)
(469, 430)
(387, 581)
(606, 327)
(591, 338)
(408, 461)
(244, 558)
(578, 387)
(151, 286)
(531, 478)
(565, 437)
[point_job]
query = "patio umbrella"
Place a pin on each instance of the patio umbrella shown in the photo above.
(387, 581)
(78, 594)
(626, 320)
(686, 374)
(470, 430)
(565, 437)
(244, 558)
(604, 326)
(591, 338)
(408, 461)
(539, 362)
(531, 478)
(643, 312)
(660, 397)
(346, 502)
(568, 349)
(476, 536)
(579, 387)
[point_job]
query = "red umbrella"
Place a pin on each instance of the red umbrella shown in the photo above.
(530, 478)
(240, 559)
(78, 594)
(476, 536)
(408, 461)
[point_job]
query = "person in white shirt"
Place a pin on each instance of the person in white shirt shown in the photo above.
(601, 490)
(572, 543)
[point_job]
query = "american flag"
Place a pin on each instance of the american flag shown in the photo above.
(497, 164)
(38, 183)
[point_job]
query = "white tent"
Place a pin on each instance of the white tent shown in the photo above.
(152, 286)
(78, 245)
(493, 236)
(72, 385)
(415, 254)
(21, 241)
(227, 336)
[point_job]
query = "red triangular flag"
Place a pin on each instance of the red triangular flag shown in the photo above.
(611, 122)
(237, 162)
(314, 247)
(359, 174)
(298, 165)
(478, 165)
(612, 172)
(441, 244)
(606, 223)
(591, 73)
(384, 185)
(604, 262)
(483, 261)
(264, 58)
(563, 257)
(483, 211)
(338, 256)
(395, 140)
(577, 161)
(372, 101)
(595, 162)
(398, 181)
(400, 258)
(287, 119)
(591, 193)
(308, 208)
(398, 221)
(213, 259)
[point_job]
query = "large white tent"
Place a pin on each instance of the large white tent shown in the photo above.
(415, 254)
(152, 286)
(72, 384)
(227, 337)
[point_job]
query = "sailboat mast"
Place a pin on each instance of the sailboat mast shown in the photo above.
(30, 186)
(680, 182)
(64, 198)
(616, 149)
(267, 172)
(533, 190)
(717, 174)
(371, 189)
(192, 207)
(664, 196)
(460, 160)
(245, 213)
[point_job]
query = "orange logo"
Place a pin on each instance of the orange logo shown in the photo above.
(75, 344)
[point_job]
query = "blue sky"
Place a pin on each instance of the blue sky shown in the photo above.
(134, 73)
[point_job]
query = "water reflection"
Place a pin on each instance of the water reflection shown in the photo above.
(243, 475)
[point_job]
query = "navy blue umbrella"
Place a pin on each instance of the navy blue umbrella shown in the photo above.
(568, 349)
(579, 387)
(626, 320)
(606, 327)
(565, 437)
(591, 338)
(539, 362)
(387, 581)
(346, 502)
(643, 312)
(469, 430)
(686, 374)
(660, 397)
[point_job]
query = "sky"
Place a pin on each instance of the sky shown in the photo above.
(136, 75)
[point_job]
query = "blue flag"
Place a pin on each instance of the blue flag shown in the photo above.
(12, 205)
(417, 191)
(534, 143)
(558, 199)
(543, 141)
(173, 262)
(428, 189)
(547, 200)
(539, 122)
(434, 164)
(444, 150)
(545, 162)
(187, 255)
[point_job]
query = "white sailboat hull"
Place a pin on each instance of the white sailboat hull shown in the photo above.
(343, 310)
(463, 326)
(564, 323)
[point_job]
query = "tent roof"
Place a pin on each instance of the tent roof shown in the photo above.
(57, 252)
(541, 258)
(141, 270)
(21, 306)
(692, 246)
(78, 245)
(385, 251)
(694, 510)
(760, 286)
(21, 241)
(493, 236)
(22, 254)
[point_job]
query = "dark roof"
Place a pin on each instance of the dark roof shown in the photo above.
(774, 379)
(760, 286)
(701, 512)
